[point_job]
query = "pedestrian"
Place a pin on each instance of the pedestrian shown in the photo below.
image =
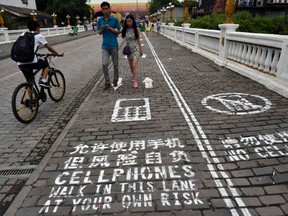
(131, 34)
(27, 67)
(137, 20)
(158, 24)
(152, 29)
(109, 27)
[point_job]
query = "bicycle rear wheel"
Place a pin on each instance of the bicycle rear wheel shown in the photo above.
(24, 108)
(58, 85)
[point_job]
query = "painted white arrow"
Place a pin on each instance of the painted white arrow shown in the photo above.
(119, 83)
(148, 82)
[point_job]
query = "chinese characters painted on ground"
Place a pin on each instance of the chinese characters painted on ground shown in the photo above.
(134, 173)
(261, 146)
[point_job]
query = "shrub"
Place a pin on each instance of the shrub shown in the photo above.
(178, 23)
(246, 21)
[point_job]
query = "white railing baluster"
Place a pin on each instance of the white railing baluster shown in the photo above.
(259, 52)
(234, 48)
(275, 61)
(244, 52)
(257, 58)
(252, 57)
(268, 61)
(248, 54)
(239, 54)
(236, 51)
(262, 59)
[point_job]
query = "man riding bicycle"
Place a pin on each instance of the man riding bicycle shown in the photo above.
(27, 67)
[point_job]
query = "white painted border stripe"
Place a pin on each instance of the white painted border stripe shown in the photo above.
(126, 111)
(181, 102)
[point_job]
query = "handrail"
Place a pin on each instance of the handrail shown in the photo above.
(261, 57)
(8, 36)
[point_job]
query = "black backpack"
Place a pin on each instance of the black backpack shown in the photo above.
(23, 48)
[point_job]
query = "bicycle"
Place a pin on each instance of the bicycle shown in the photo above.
(26, 96)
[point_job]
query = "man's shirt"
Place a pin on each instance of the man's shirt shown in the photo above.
(109, 38)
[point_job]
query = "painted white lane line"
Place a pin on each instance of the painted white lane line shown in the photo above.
(201, 142)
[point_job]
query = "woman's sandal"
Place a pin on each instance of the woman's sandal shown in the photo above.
(132, 81)
(136, 86)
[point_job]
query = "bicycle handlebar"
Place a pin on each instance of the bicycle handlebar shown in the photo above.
(49, 54)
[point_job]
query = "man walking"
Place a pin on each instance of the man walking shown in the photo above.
(109, 27)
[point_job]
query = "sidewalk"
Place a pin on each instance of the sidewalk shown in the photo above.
(5, 49)
(202, 141)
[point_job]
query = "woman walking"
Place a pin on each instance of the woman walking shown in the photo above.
(131, 34)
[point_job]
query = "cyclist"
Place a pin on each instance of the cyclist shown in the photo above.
(27, 68)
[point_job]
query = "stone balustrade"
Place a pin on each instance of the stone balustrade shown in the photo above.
(261, 57)
(7, 36)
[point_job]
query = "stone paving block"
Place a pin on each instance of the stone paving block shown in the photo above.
(216, 212)
(242, 173)
(251, 202)
(31, 211)
(5, 189)
(281, 168)
(268, 211)
(168, 207)
(280, 178)
(285, 208)
(261, 180)
(263, 171)
(272, 199)
(218, 203)
(31, 201)
(253, 191)
(187, 212)
(240, 182)
(276, 189)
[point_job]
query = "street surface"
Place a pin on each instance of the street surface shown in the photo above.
(198, 140)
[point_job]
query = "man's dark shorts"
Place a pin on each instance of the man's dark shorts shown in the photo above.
(27, 69)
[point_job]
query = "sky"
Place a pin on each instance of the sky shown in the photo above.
(117, 1)
(122, 6)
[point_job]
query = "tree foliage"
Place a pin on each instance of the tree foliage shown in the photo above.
(246, 21)
(153, 6)
(64, 7)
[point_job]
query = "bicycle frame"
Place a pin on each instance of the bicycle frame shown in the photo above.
(26, 96)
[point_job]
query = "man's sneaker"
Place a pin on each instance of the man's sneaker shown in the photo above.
(106, 86)
(44, 84)
(115, 83)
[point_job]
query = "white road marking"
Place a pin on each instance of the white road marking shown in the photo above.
(119, 83)
(148, 82)
(237, 103)
(131, 113)
(202, 141)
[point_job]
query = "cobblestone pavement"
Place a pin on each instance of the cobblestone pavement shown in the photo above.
(23, 146)
(202, 141)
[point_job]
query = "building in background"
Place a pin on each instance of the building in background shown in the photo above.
(18, 12)
(124, 7)
(256, 7)
(264, 7)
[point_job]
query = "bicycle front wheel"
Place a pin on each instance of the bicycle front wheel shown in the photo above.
(58, 85)
(25, 103)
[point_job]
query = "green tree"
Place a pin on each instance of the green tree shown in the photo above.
(154, 5)
(246, 21)
(64, 7)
